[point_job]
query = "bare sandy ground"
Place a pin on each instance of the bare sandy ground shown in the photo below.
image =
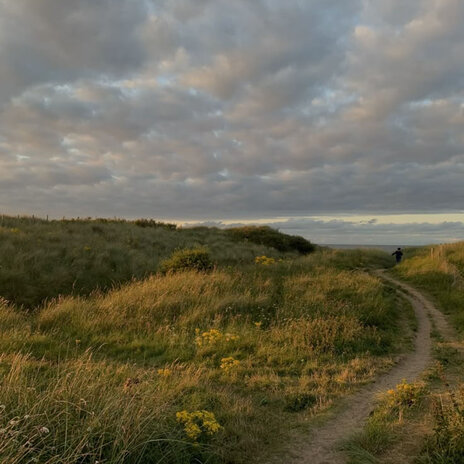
(320, 447)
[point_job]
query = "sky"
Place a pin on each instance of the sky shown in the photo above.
(338, 120)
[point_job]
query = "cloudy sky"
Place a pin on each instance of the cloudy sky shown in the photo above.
(336, 118)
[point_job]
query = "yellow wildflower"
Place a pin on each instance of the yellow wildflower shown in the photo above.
(212, 337)
(229, 363)
(264, 260)
(197, 423)
(406, 394)
(164, 372)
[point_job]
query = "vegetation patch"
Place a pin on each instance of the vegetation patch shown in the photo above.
(264, 235)
(386, 424)
(195, 259)
(184, 366)
(41, 260)
(446, 444)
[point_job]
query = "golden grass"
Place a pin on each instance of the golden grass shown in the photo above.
(263, 348)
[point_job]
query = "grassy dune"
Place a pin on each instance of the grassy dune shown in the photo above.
(192, 367)
(41, 259)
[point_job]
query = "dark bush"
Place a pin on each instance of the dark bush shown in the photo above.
(154, 224)
(193, 259)
(300, 244)
(264, 235)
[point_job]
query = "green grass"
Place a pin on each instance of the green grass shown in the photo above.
(265, 348)
(264, 235)
(43, 259)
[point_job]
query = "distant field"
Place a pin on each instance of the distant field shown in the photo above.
(214, 367)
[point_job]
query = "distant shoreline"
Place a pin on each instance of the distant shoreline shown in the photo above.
(374, 247)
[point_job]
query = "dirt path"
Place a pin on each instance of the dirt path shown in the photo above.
(321, 446)
(442, 325)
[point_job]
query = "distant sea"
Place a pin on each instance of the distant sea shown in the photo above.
(391, 248)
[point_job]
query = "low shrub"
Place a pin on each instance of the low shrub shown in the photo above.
(300, 244)
(404, 396)
(264, 235)
(154, 224)
(193, 259)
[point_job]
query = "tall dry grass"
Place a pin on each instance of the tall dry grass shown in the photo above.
(263, 347)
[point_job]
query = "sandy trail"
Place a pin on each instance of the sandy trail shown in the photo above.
(321, 446)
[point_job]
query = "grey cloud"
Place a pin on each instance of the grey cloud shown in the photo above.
(59, 41)
(213, 109)
(286, 47)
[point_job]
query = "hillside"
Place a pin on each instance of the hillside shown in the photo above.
(42, 259)
(139, 342)
(216, 366)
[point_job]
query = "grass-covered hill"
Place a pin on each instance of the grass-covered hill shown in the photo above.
(43, 259)
(216, 366)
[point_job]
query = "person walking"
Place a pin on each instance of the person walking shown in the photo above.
(398, 255)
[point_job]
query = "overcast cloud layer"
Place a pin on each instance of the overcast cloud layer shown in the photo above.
(231, 109)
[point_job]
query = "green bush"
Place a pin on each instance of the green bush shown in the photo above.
(193, 259)
(264, 235)
(300, 244)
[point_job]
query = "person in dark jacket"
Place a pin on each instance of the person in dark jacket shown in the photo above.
(398, 255)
